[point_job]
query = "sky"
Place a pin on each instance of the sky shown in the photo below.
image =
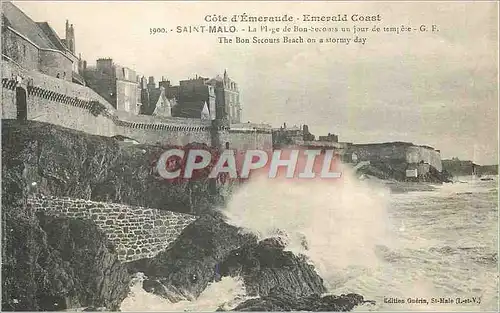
(431, 88)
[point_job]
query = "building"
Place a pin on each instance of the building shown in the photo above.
(156, 100)
(291, 135)
(301, 137)
(329, 138)
(117, 84)
(128, 95)
(193, 96)
(232, 99)
(198, 97)
(36, 46)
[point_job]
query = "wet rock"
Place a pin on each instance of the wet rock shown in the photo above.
(265, 266)
(188, 266)
(95, 309)
(66, 264)
(101, 279)
(280, 300)
(157, 288)
(210, 248)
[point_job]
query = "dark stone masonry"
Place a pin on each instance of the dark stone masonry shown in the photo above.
(136, 232)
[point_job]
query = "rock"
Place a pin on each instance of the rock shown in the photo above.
(280, 300)
(210, 245)
(265, 266)
(189, 264)
(392, 169)
(68, 264)
(52, 263)
(157, 288)
(95, 309)
(102, 280)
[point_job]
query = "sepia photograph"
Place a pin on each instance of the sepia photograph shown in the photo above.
(203, 156)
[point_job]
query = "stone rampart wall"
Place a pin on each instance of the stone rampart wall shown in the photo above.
(136, 232)
(249, 139)
(415, 154)
(403, 151)
(78, 107)
(55, 107)
(9, 109)
(163, 134)
(376, 152)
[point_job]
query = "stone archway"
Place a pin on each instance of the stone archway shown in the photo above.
(21, 104)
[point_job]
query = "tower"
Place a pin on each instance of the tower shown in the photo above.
(143, 82)
(231, 99)
(70, 36)
(220, 124)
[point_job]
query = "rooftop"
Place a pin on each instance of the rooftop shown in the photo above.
(13, 17)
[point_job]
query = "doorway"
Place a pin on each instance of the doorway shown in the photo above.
(21, 104)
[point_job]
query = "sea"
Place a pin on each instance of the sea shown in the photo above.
(407, 251)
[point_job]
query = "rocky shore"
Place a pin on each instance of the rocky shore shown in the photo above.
(282, 301)
(210, 249)
(395, 170)
(57, 263)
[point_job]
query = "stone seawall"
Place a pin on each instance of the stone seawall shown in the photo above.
(136, 232)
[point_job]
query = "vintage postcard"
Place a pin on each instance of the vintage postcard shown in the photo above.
(249, 156)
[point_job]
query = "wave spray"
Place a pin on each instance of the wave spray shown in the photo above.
(336, 223)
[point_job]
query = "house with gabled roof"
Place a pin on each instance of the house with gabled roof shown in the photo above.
(36, 45)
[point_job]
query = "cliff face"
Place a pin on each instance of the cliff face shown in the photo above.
(54, 263)
(73, 164)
